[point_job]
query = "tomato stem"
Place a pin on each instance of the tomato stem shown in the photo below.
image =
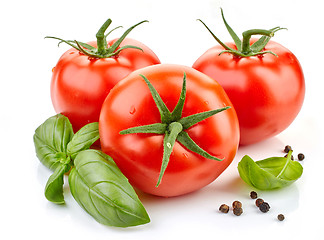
(102, 50)
(101, 38)
(169, 140)
(244, 48)
(172, 126)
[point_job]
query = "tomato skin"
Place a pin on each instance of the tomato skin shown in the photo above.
(139, 156)
(80, 84)
(266, 91)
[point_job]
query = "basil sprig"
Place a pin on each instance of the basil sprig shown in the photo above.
(95, 181)
(56, 146)
(270, 173)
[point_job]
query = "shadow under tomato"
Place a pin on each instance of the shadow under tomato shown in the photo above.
(234, 185)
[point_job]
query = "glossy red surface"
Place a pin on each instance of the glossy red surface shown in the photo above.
(267, 91)
(80, 84)
(139, 156)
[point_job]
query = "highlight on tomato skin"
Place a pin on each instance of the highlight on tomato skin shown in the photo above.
(139, 155)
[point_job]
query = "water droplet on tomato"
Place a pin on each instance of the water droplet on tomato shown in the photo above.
(206, 102)
(72, 52)
(53, 69)
(132, 109)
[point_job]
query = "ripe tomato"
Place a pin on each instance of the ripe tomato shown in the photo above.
(80, 84)
(267, 91)
(139, 155)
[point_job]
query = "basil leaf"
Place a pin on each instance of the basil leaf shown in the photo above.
(83, 139)
(51, 140)
(104, 192)
(54, 185)
(270, 173)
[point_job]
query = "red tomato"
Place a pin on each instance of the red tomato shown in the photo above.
(267, 91)
(139, 156)
(80, 84)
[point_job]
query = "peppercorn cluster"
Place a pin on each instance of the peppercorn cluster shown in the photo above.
(259, 202)
(237, 206)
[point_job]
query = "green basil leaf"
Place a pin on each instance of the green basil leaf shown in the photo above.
(270, 173)
(51, 140)
(83, 139)
(54, 185)
(104, 192)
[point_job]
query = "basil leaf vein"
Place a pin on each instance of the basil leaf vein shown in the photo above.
(52, 137)
(270, 173)
(104, 192)
(83, 139)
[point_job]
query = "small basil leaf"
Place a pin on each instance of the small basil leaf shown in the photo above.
(104, 192)
(270, 173)
(52, 137)
(83, 139)
(54, 185)
(282, 167)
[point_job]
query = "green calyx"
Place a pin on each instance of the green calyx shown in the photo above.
(102, 50)
(244, 48)
(173, 126)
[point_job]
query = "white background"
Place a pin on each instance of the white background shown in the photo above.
(176, 37)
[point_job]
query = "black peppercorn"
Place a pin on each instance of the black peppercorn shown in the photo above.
(253, 195)
(237, 211)
(301, 156)
(224, 208)
(264, 207)
(281, 217)
(287, 148)
(258, 202)
(237, 204)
